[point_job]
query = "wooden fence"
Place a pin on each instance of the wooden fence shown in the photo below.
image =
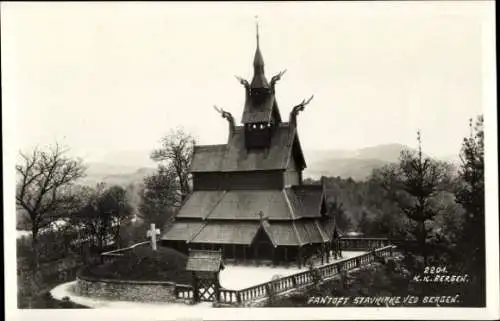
(183, 291)
(364, 243)
(295, 281)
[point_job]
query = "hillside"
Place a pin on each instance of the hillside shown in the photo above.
(115, 174)
(357, 164)
(357, 169)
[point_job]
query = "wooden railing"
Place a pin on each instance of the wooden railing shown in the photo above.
(254, 292)
(284, 284)
(307, 278)
(229, 296)
(281, 285)
(363, 243)
(183, 291)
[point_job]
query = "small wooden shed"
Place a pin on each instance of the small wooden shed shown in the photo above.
(205, 267)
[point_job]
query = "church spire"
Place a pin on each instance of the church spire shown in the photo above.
(259, 79)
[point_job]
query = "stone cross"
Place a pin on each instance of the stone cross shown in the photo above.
(152, 234)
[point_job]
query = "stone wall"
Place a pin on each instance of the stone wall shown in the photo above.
(140, 291)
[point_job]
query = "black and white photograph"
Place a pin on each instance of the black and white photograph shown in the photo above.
(250, 160)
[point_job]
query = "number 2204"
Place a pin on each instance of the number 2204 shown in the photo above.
(434, 269)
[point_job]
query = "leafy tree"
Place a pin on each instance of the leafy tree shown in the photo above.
(337, 214)
(364, 224)
(470, 195)
(414, 183)
(176, 154)
(104, 210)
(42, 190)
(159, 197)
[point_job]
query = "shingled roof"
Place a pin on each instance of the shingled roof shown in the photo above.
(246, 204)
(296, 233)
(234, 156)
(256, 111)
(306, 199)
(227, 233)
(200, 260)
(182, 231)
(291, 204)
(200, 204)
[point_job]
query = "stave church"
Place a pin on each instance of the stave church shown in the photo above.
(248, 197)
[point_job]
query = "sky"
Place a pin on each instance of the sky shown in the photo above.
(110, 77)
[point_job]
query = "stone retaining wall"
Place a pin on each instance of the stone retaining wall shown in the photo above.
(139, 291)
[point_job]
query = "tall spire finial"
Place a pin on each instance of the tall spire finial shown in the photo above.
(257, 29)
(259, 80)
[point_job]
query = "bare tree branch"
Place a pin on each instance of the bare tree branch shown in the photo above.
(177, 153)
(42, 177)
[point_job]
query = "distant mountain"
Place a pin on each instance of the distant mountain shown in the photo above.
(125, 167)
(357, 169)
(357, 163)
(120, 167)
(113, 174)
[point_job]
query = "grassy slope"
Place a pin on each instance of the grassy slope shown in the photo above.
(144, 264)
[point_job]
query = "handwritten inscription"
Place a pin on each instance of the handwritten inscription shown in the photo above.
(328, 300)
(435, 269)
(387, 301)
(438, 278)
(439, 274)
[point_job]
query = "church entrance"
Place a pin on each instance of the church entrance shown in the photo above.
(264, 251)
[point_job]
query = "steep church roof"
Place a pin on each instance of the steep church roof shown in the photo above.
(244, 205)
(294, 233)
(234, 156)
(260, 111)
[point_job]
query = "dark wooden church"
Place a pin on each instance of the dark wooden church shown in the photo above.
(248, 198)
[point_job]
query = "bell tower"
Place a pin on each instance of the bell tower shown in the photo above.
(261, 114)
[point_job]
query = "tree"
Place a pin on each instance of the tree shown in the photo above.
(336, 213)
(414, 183)
(366, 224)
(104, 210)
(159, 197)
(42, 190)
(470, 195)
(176, 154)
